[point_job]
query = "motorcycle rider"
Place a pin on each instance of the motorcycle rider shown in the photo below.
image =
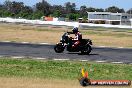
(78, 37)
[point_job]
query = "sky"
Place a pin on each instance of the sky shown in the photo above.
(125, 4)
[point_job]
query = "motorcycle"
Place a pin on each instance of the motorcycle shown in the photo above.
(67, 42)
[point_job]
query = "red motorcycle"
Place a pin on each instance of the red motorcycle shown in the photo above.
(66, 42)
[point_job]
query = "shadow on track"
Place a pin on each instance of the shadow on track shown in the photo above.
(83, 54)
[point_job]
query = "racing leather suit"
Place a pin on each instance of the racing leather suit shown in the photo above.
(77, 39)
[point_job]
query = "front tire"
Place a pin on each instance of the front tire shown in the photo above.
(59, 48)
(86, 50)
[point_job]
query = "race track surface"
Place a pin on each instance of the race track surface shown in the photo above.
(47, 51)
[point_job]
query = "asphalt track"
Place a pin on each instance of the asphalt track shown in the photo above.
(98, 54)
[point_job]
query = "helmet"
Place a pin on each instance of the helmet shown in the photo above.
(75, 29)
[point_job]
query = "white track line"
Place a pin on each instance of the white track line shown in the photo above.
(117, 62)
(83, 60)
(25, 42)
(43, 43)
(61, 59)
(40, 58)
(17, 57)
(1, 56)
(102, 46)
(100, 61)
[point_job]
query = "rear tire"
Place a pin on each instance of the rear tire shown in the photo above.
(59, 48)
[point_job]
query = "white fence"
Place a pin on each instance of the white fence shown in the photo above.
(61, 23)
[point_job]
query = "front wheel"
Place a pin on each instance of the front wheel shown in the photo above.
(86, 50)
(59, 48)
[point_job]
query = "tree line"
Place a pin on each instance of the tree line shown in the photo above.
(68, 10)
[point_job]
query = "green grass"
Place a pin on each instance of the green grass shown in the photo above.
(62, 69)
(117, 32)
(107, 34)
(109, 29)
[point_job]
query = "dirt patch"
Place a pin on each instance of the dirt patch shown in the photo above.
(37, 83)
(44, 83)
(31, 34)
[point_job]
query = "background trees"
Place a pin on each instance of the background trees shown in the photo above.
(83, 11)
(44, 7)
(57, 11)
(114, 9)
(68, 10)
(129, 11)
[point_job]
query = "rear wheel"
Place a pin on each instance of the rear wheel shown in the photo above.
(59, 48)
(86, 50)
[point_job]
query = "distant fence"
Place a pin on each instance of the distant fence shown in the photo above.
(62, 23)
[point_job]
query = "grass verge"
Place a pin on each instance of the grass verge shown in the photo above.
(67, 70)
(49, 34)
